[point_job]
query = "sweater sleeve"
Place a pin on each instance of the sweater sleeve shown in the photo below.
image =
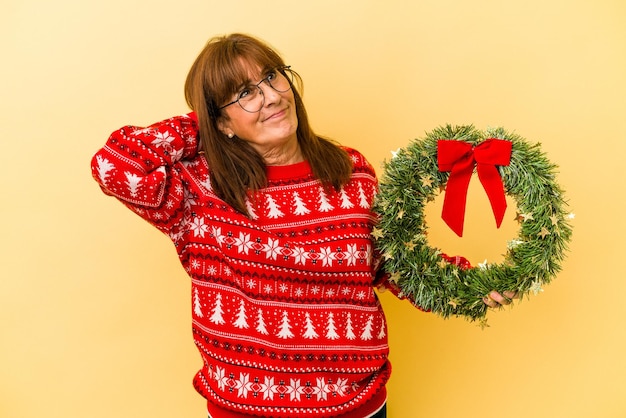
(138, 166)
(383, 282)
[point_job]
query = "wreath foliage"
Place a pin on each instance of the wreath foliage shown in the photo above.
(426, 275)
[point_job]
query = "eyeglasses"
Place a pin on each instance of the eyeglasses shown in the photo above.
(251, 98)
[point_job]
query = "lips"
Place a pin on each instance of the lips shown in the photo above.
(276, 115)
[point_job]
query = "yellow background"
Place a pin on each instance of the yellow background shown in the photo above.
(95, 309)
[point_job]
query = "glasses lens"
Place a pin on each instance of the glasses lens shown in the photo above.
(279, 81)
(252, 100)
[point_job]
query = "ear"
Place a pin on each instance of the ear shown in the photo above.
(224, 126)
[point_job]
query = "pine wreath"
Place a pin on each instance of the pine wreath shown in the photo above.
(435, 281)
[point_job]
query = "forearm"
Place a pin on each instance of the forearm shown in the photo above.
(135, 163)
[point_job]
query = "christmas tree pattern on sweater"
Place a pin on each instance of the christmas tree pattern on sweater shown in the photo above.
(284, 315)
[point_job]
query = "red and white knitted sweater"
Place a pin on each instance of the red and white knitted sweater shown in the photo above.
(284, 313)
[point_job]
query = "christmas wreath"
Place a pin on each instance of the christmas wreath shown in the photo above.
(507, 165)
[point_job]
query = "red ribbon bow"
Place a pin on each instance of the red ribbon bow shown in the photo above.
(460, 158)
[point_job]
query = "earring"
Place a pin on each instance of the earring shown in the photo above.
(230, 135)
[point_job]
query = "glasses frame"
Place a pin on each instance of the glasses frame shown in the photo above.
(283, 69)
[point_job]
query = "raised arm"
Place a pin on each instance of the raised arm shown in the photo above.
(138, 166)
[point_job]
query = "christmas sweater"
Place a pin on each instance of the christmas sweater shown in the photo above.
(283, 309)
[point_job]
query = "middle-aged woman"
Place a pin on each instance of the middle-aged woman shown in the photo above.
(272, 223)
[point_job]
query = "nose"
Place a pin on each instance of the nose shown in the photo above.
(269, 94)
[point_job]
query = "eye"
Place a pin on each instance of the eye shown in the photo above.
(245, 92)
(271, 75)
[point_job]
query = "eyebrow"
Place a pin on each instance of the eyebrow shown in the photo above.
(264, 72)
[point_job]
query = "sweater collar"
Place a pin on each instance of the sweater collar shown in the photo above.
(291, 171)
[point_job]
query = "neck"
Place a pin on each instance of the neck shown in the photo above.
(289, 156)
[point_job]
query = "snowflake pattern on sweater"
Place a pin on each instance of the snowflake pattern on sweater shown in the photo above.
(284, 312)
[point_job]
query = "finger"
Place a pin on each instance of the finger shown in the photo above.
(490, 302)
(498, 298)
(511, 294)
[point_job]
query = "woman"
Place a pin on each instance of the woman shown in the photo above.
(273, 224)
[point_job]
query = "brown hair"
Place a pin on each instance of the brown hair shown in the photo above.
(235, 167)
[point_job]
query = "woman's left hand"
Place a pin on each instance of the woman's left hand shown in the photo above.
(495, 299)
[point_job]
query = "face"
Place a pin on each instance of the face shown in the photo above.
(272, 130)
